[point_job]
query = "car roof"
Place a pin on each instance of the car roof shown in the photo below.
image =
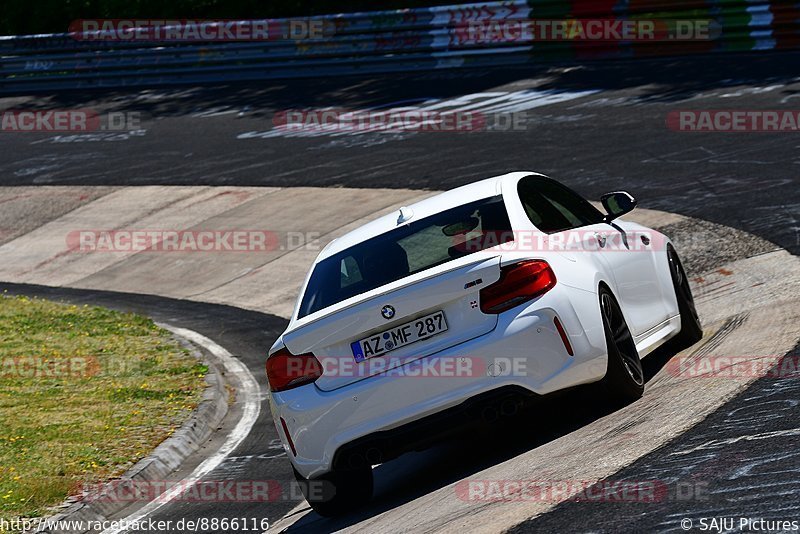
(424, 208)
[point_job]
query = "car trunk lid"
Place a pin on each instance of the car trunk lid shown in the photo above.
(452, 289)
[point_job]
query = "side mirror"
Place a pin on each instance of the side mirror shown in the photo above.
(617, 204)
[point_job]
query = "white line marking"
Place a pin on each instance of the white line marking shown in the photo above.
(730, 441)
(250, 391)
(489, 102)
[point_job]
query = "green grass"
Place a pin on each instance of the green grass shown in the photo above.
(85, 392)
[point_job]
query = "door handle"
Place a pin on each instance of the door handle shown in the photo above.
(601, 239)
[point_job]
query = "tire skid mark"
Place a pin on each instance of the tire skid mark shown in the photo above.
(123, 224)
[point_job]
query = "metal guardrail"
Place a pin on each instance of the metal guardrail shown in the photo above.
(385, 41)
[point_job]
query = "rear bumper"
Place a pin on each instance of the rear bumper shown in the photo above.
(524, 352)
(421, 434)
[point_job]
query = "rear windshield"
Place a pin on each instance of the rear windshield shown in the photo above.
(409, 249)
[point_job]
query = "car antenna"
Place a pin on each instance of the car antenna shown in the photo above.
(405, 215)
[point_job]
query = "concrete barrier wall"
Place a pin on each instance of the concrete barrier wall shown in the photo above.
(441, 37)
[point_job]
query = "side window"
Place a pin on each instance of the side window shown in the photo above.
(573, 219)
(551, 207)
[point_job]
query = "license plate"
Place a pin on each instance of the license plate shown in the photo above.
(399, 336)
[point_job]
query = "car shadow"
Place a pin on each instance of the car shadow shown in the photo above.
(482, 446)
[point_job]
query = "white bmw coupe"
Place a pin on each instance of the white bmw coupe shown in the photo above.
(462, 306)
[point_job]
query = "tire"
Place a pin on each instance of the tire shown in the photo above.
(691, 329)
(624, 380)
(338, 492)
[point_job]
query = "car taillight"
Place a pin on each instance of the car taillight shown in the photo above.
(518, 283)
(287, 371)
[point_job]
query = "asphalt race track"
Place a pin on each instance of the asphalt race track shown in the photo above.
(613, 138)
(744, 456)
(597, 128)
